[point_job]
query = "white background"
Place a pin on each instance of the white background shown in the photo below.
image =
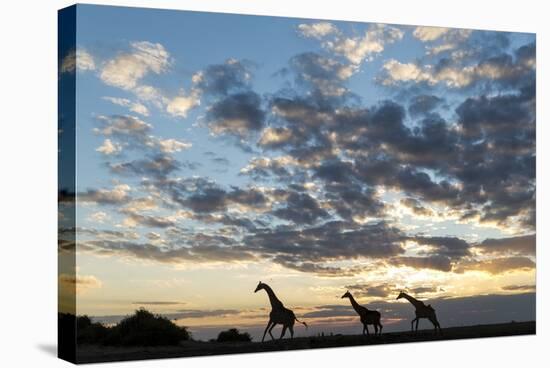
(28, 181)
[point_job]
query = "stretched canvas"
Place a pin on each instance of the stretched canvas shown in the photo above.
(235, 183)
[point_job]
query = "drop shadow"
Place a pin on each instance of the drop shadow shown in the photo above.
(50, 349)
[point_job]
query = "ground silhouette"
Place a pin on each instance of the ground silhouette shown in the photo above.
(279, 314)
(101, 353)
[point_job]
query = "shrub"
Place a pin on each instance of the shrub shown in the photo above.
(233, 335)
(88, 332)
(145, 329)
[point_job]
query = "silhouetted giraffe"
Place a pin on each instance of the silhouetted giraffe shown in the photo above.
(422, 311)
(279, 314)
(368, 317)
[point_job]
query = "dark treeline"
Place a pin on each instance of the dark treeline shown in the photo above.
(143, 328)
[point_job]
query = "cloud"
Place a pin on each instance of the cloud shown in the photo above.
(124, 127)
(99, 217)
(180, 105)
(204, 196)
(425, 34)
(136, 107)
(416, 208)
(134, 218)
(326, 76)
(191, 248)
(376, 291)
(158, 303)
(79, 60)
(519, 288)
(127, 69)
(134, 133)
(102, 234)
(275, 137)
(437, 263)
(526, 245)
(502, 68)
(117, 195)
(307, 249)
(301, 208)
(238, 115)
(497, 266)
(80, 284)
(223, 79)
(199, 313)
(373, 42)
(442, 39)
(317, 30)
(446, 246)
(352, 201)
(173, 145)
(424, 104)
(156, 166)
(109, 148)
(325, 311)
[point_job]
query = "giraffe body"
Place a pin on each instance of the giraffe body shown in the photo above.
(421, 311)
(279, 315)
(368, 317)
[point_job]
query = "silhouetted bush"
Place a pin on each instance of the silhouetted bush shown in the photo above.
(233, 335)
(66, 336)
(88, 332)
(145, 329)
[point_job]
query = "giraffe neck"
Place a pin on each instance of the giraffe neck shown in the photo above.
(275, 302)
(413, 301)
(355, 305)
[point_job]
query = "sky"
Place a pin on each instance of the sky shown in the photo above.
(217, 150)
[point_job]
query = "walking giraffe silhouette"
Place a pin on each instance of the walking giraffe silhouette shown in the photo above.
(422, 311)
(368, 317)
(279, 314)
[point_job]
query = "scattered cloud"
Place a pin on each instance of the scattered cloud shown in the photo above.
(496, 266)
(79, 60)
(81, 284)
(317, 30)
(525, 245)
(127, 69)
(180, 105)
(361, 48)
(109, 148)
(430, 33)
(119, 194)
(136, 107)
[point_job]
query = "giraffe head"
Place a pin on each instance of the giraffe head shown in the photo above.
(401, 295)
(259, 287)
(346, 295)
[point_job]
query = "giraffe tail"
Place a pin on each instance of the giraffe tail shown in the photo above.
(297, 320)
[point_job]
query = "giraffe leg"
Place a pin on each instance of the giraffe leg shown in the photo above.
(283, 332)
(266, 328)
(363, 330)
(375, 329)
(367, 328)
(412, 324)
(438, 325)
(380, 331)
(270, 329)
(417, 320)
(434, 321)
(291, 329)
